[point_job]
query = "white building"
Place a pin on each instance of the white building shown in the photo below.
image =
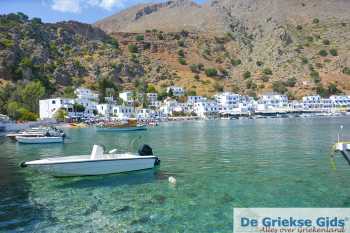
(195, 99)
(206, 108)
(227, 100)
(340, 101)
(88, 99)
(123, 112)
(177, 91)
(168, 106)
(272, 102)
(152, 99)
(312, 102)
(105, 109)
(49, 107)
(127, 97)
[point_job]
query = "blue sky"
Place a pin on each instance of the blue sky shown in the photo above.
(88, 11)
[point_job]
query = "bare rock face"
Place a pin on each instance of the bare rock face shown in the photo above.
(218, 15)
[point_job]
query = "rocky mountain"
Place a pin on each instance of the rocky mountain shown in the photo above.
(292, 46)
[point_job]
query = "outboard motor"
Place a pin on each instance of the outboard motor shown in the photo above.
(145, 150)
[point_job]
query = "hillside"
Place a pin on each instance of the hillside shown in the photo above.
(246, 46)
(301, 45)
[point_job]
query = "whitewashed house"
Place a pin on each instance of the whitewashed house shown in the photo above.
(122, 112)
(272, 102)
(195, 99)
(206, 109)
(339, 101)
(105, 110)
(168, 106)
(152, 99)
(312, 102)
(87, 98)
(127, 97)
(177, 91)
(49, 107)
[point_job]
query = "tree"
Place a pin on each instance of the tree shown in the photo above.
(316, 21)
(68, 92)
(333, 89)
(182, 61)
(140, 37)
(267, 71)
(31, 94)
(181, 53)
(211, 72)
(151, 89)
(323, 53)
(132, 48)
(102, 85)
(333, 52)
(279, 87)
(346, 70)
(78, 107)
(246, 75)
(12, 109)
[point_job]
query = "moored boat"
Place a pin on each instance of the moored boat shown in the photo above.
(98, 163)
(39, 139)
(130, 125)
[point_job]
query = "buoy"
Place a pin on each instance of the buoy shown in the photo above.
(172, 180)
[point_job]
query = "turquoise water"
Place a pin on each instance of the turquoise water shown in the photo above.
(218, 165)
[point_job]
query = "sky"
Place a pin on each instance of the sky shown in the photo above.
(87, 11)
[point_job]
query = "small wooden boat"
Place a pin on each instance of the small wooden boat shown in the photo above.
(130, 125)
(39, 139)
(98, 163)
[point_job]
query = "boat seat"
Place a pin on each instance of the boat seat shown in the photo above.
(97, 152)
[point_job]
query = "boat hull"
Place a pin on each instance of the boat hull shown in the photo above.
(92, 168)
(39, 140)
(106, 129)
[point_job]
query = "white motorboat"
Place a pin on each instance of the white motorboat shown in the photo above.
(38, 139)
(38, 132)
(98, 163)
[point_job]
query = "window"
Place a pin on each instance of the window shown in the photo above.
(53, 102)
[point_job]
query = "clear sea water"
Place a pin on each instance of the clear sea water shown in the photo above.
(218, 165)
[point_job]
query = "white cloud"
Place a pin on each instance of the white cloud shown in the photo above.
(76, 6)
(110, 4)
(72, 6)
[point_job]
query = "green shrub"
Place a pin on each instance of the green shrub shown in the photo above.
(316, 21)
(304, 60)
(315, 76)
(267, 71)
(309, 38)
(181, 43)
(182, 61)
(323, 53)
(140, 37)
(7, 43)
(236, 62)
(279, 87)
(181, 53)
(246, 75)
(333, 89)
(346, 70)
(211, 72)
(259, 63)
(251, 85)
(291, 82)
(194, 68)
(333, 52)
(299, 27)
(196, 77)
(265, 78)
(326, 42)
(132, 48)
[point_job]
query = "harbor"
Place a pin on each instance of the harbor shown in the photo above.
(213, 162)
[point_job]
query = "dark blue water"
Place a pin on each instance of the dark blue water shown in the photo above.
(218, 165)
